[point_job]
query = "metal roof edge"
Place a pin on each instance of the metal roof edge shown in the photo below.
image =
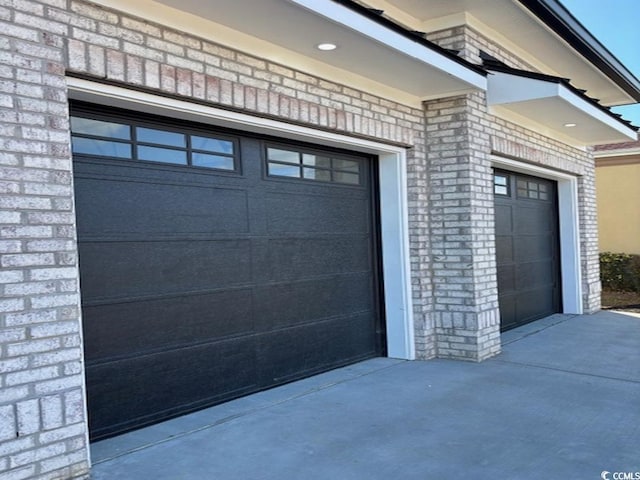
(562, 22)
(418, 37)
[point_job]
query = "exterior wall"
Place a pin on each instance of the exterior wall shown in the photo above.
(43, 429)
(43, 422)
(43, 426)
(531, 148)
(617, 183)
(108, 45)
(462, 229)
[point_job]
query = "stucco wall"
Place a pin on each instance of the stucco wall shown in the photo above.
(617, 186)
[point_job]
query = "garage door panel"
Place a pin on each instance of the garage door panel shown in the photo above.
(533, 246)
(125, 329)
(507, 277)
(508, 315)
(534, 274)
(200, 285)
(527, 248)
(151, 172)
(290, 304)
(504, 249)
(152, 387)
(535, 303)
(289, 213)
(109, 207)
(300, 351)
(534, 219)
(134, 269)
(503, 220)
(299, 258)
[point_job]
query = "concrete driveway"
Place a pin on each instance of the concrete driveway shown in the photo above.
(561, 402)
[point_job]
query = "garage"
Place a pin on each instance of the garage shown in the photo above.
(527, 248)
(214, 264)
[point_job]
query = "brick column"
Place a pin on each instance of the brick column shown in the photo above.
(43, 431)
(588, 217)
(462, 229)
(420, 247)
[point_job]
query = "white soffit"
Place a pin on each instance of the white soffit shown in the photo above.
(555, 106)
(364, 46)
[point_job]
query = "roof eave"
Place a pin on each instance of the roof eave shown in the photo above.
(560, 20)
(552, 103)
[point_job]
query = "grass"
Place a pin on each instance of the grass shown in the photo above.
(613, 300)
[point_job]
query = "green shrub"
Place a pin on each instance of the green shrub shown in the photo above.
(620, 271)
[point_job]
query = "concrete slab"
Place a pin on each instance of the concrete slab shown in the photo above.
(562, 401)
(606, 344)
(210, 417)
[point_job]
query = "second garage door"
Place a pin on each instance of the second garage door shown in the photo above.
(215, 264)
(527, 248)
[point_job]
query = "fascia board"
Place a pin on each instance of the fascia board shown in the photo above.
(505, 88)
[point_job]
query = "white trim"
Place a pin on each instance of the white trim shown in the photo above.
(569, 228)
(394, 220)
(620, 152)
(393, 186)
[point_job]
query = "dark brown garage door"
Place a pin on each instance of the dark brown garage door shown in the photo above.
(527, 248)
(215, 264)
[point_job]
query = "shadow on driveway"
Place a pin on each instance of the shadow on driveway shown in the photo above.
(561, 401)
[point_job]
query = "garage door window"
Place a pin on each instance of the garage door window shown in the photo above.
(308, 166)
(99, 138)
(532, 189)
(500, 184)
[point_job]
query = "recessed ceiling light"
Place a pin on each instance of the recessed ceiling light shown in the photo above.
(569, 125)
(326, 46)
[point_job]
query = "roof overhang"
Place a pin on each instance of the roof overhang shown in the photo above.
(366, 46)
(627, 149)
(555, 107)
(540, 32)
(560, 20)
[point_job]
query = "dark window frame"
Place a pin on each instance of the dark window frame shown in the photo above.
(532, 190)
(301, 165)
(507, 184)
(188, 130)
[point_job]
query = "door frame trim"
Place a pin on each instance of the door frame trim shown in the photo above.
(569, 228)
(394, 218)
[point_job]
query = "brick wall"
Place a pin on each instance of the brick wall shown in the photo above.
(43, 429)
(517, 142)
(466, 313)
(107, 44)
(469, 42)
(42, 418)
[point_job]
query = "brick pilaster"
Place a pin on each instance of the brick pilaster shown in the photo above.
(462, 229)
(42, 412)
